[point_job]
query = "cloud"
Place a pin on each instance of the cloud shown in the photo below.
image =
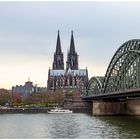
(28, 32)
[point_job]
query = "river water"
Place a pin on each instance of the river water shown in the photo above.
(76, 125)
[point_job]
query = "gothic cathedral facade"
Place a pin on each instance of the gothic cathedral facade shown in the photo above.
(70, 79)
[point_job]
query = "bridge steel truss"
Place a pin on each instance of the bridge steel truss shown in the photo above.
(123, 72)
(94, 86)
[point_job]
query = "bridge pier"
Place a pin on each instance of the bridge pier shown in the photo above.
(110, 108)
(103, 108)
(133, 107)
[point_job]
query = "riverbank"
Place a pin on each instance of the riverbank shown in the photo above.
(24, 110)
(36, 110)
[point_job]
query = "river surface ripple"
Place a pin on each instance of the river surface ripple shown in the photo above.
(76, 125)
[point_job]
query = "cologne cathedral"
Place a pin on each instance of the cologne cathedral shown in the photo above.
(70, 79)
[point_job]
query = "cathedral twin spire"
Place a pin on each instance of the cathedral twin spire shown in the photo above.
(72, 58)
(58, 62)
(58, 45)
(72, 46)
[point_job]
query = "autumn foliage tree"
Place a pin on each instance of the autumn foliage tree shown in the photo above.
(56, 97)
(48, 98)
(5, 96)
(15, 99)
(36, 98)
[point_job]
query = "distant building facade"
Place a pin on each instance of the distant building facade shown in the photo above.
(71, 78)
(27, 89)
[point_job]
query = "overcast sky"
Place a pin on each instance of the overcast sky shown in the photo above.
(28, 32)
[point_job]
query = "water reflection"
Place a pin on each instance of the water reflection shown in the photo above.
(126, 126)
(68, 126)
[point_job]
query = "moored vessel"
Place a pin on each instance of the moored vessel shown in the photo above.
(59, 110)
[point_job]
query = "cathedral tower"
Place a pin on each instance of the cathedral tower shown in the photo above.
(58, 62)
(72, 57)
(70, 79)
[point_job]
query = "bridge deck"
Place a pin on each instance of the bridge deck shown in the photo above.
(115, 95)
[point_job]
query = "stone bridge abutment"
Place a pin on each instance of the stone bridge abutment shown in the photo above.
(107, 108)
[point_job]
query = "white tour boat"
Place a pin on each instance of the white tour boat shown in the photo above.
(60, 110)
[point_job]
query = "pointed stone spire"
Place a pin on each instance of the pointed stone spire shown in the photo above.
(58, 45)
(72, 57)
(72, 46)
(58, 56)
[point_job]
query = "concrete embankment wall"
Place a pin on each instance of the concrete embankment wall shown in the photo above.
(75, 110)
(23, 110)
(78, 105)
(105, 108)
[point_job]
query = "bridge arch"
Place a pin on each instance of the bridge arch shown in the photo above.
(123, 72)
(94, 86)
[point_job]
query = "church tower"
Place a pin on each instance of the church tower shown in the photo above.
(70, 79)
(72, 57)
(58, 62)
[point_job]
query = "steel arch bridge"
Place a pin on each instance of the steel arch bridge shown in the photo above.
(95, 85)
(123, 72)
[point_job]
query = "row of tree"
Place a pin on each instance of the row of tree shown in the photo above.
(45, 99)
(40, 99)
(37, 99)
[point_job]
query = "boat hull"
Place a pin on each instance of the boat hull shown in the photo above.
(59, 112)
